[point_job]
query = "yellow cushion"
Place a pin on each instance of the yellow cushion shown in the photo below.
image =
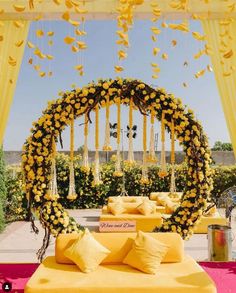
(87, 253)
(182, 277)
(116, 208)
(170, 206)
(146, 208)
(126, 198)
(146, 254)
(128, 207)
(120, 244)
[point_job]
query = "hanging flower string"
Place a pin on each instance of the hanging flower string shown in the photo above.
(144, 179)
(131, 152)
(96, 174)
(152, 156)
(163, 172)
(72, 194)
(118, 172)
(107, 146)
(85, 153)
(172, 158)
(52, 193)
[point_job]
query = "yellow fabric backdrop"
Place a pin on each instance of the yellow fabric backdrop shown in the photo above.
(226, 84)
(9, 73)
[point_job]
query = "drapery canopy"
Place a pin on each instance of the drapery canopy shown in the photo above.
(11, 54)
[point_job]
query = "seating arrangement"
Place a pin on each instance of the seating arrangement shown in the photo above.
(138, 212)
(175, 272)
(171, 202)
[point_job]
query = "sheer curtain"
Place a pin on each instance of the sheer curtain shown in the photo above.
(226, 84)
(11, 54)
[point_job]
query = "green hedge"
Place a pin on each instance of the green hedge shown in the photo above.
(3, 190)
(90, 196)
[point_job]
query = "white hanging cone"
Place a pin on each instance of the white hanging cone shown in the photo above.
(131, 151)
(118, 172)
(85, 154)
(172, 180)
(96, 173)
(72, 194)
(52, 193)
(152, 156)
(144, 179)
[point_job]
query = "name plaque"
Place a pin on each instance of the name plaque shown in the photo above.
(117, 226)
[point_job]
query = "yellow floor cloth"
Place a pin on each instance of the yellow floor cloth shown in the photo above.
(186, 276)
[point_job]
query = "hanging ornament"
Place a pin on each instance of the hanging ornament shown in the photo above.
(118, 172)
(172, 159)
(52, 193)
(131, 152)
(72, 194)
(106, 146)
(152, 158)
(144, 179)
(96, 174)
(85, 153)
(163, 172)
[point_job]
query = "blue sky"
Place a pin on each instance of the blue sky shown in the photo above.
(33, 92)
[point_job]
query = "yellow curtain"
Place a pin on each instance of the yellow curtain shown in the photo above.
(221, 66)
(11, 54)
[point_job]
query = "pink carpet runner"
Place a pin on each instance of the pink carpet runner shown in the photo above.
(223, 274)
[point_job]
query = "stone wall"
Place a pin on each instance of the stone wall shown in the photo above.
(220, 158)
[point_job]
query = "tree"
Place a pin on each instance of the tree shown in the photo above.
(3, 190)
(222, 146)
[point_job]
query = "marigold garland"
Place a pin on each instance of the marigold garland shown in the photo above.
(37, 151)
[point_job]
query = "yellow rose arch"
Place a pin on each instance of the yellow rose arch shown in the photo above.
(37, 151)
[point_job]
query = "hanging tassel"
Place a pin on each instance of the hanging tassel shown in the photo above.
(130, 152)
(72, 194)
(96, 174)
(163, 171)
(52, 193)
(172, 159)
(152, 158)
(144, 179)
(118, 172)
(107, 146)
(85, 153)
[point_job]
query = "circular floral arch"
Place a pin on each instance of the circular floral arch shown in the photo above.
(37, 150)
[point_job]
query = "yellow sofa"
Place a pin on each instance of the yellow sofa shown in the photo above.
(178, 273)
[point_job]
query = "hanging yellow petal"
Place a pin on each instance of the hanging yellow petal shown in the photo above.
(57, 2)
(19, 43)
(80, 10)
(181, 27)
(118, 68)
(227, 73)
(49, 57)
(38, 53)
(228, 54)
(200, 73)
(198, 36)
(30, 61)
(122, 35)
(154, 39)
(199, 54)
(122, 54)
(80, 33)
(18, 24)
(50, 43)
(155, 51)
(39, 33)
(174, 43)
(164, 24)
(81, 73)
(156, 69)
(155, 76)
(164, 56)
(66, 16)
(68, 4)
(37, 67)
(154, 65)
(156, 12)
(74, 49)
(79, 67)
(42, 74)
(11, 61)
(50, 34)
(209, 68)
(156, 30)
(81, 45)
(38, 17)
(69, 40)
(50, 73)
(74, 22)
(30, 45)
(18, 8)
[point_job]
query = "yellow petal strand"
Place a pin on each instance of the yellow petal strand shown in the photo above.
(181, 27)
(156, 30)
(80, 33)
(50, 34)
(69, 40)
(200, 73)
(18, 8)
(79, 67)
(38, 53)
(81, 45)
(155, 51)
(74, 22)
(42, 74)
(74, 49)
(198, 36)
(118, 68)
(49, 57)
(122, 54)
(19, 43)
(39, 33)
(18, 24)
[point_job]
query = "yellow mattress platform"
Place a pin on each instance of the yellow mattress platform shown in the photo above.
(181, 275)
(139, 221)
